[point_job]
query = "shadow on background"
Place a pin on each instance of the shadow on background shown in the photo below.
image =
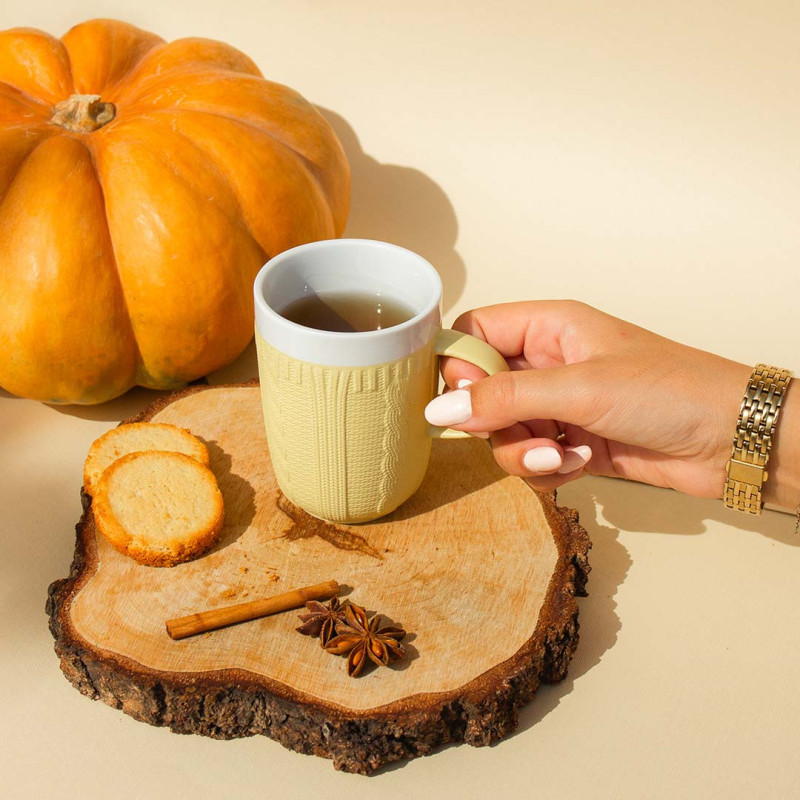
(403, 206)
(597, 616)
(127, 405)
(638, 508)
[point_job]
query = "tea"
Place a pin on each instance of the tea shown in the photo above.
(347, 312)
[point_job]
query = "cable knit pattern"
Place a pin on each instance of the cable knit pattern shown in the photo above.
(348, 444)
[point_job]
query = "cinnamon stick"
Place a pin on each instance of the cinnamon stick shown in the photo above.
(203, 621)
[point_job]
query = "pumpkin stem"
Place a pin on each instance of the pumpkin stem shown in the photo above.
(83, 113)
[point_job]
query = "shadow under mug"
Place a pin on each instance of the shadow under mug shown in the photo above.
(344, 412)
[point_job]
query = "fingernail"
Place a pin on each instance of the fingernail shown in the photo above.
(463, 382)
(480, 434)
(451, 408)
(542, 459)
(575, 458)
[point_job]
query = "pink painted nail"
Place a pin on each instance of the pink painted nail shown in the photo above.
(542, 459)
(575, 458)
(451, 408)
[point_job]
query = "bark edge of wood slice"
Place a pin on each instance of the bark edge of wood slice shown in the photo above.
(232, 703)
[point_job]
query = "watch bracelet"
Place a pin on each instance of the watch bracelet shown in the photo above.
(758, 416)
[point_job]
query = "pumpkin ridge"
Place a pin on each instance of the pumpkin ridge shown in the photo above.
(4, 190)
(89, 144)
(213, 76)
(25, 96)
(111, 37)
(310, 167)
(146, 375)
(135, 80)
(141, 98)
(57, 61)
(85, 354)
(313, 168)
(236, 219)
(118, 88)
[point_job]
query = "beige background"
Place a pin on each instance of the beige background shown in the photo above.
(642, 156)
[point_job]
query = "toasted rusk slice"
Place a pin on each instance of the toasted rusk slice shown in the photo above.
(160, 508)
(136, 437)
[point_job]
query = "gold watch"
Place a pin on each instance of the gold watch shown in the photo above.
(747, 469)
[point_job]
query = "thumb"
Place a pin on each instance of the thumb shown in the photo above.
(499, 401)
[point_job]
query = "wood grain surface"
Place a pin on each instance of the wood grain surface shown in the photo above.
(480, 570)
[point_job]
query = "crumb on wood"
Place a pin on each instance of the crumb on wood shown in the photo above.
(229, 593)
(244, 570)
(274, 577)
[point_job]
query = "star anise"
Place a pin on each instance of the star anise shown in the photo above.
(364, 639)
(320, 620)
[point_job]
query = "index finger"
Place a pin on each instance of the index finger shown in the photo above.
(527, 334)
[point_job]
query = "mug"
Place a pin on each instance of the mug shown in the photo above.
(344, 412)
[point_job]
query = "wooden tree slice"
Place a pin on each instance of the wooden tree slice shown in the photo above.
(479, 569)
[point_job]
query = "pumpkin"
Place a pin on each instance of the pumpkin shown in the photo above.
(142, 186)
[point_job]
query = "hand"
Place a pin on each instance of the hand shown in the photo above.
(591, 393)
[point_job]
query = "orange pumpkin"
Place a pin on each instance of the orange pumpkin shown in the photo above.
(142, 185)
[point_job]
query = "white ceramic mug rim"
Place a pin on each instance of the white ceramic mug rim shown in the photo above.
(334, 348)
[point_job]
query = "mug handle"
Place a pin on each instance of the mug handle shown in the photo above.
(467, 348)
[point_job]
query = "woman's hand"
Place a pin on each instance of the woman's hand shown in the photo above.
(591, 393)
